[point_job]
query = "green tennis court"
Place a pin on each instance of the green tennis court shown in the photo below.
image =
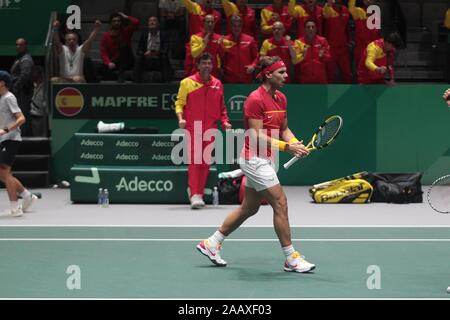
(161, 262)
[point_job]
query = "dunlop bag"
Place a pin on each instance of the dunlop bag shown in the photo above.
(229, 189)
(345, 191)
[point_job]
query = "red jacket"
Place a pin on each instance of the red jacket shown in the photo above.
(196, 15)
(311, 68)
(237, 55)
(109, 46)
(374, 56)
(200, 101)
(336, 26)
(213, 47)
(302, 14)
(363, 35)
(248, 18)
(267, 20)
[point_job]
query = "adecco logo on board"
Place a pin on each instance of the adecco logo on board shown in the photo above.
(69, 102)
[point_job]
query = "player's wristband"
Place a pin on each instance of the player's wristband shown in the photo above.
(293, 140)
(6, 129)
(281, 145)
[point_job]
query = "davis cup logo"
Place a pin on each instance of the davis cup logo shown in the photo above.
(69, 102)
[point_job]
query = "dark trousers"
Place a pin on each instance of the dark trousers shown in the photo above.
(124, 62)
(160, 67)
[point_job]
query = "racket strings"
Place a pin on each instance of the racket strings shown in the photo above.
(327, 133)
(439, 195)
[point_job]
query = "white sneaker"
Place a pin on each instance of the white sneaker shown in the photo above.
(27, 202)
(13, 212)
(213, 253)
(297, 263)
(197, 201)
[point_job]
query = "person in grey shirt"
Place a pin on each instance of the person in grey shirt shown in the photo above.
(39, 110)
(11, 118)
(22, 85)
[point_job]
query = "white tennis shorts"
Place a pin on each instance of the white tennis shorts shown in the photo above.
(260, 173)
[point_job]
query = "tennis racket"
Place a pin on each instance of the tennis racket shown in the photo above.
(439, 195)
(323, 137)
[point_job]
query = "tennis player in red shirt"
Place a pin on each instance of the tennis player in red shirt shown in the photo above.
(265, 120)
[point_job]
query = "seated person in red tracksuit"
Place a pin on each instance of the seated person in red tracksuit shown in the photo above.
(200, 104)
(280, 46)
(240, 56)
(273, 13)
(336, 17)
(197, 14)
(247, 14)
(208, 41)
(363, 35)
(309, 10)
(378, 59)
(313, 53)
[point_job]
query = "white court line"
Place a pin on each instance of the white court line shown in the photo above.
(215, 226)
(228, 240)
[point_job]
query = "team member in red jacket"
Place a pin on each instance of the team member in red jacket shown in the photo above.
(336, 17)
(208, 41)
(306, 12)
(378, 59)
(240, 54)
(313, 53)
(199, 105)
(247, 14)
(273, 13)
(265, 117)
(197, 13)
(115, 46)
(280, 46)
(363, 35)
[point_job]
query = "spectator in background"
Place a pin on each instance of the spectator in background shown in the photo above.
(21, 82)
(363, 35)
(152, 53)
(313, 53)
(208, 41)
(273, 13)
(200, 99)
(173, 21)
(39, 110)
(378, 59)
(115, 47)
(446, 97)
(280, 46)
(309, 11)
(336, 17)
(198, 12)
(71, 55)
(240, 54)
(247, 14)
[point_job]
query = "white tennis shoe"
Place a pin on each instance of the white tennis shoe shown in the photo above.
(297, 263)
(13, 212)
(213, 253)
(197, 201)
(27, 202)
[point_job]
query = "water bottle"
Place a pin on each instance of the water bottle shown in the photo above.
(215, 196)
(106, 199)
(100, 197)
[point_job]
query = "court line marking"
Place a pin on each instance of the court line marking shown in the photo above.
(216, 226)
(228, 240)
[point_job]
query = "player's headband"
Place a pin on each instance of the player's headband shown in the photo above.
(272, 67)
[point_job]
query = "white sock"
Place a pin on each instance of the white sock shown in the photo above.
(288, 250)
(25, 194)
(14, 205)
(216, 239)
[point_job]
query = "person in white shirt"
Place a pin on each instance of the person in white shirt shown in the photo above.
(71, 55)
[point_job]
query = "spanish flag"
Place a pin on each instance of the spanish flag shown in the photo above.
(69, 102)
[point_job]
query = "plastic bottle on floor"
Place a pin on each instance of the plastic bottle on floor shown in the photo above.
(100, 197)
(105, 199)
(215, 196)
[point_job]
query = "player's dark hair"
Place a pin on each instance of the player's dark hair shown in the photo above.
(394, 39)
(114, 15)
(204, 56)
(265, 62)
